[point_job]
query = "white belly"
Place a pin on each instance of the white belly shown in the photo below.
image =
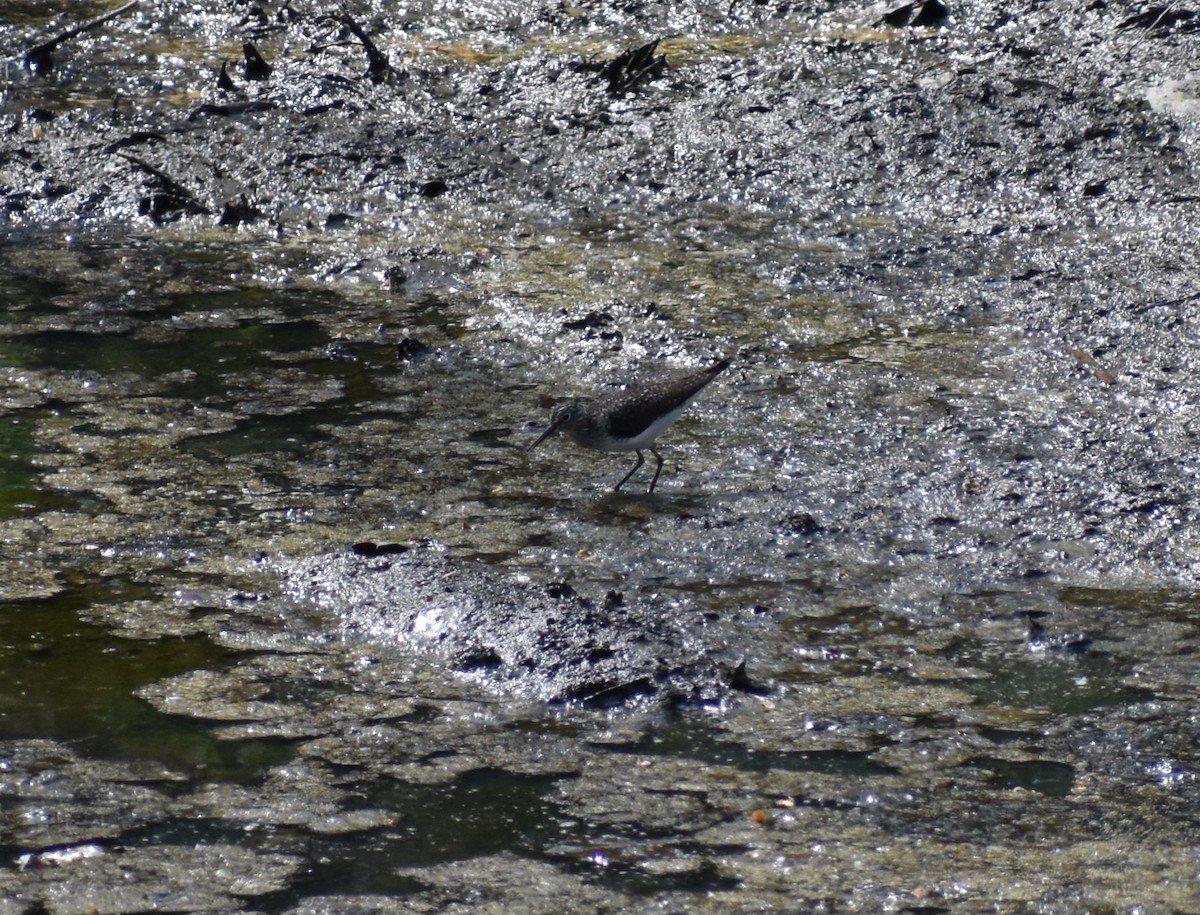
(646, 437)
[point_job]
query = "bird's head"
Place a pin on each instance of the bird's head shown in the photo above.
(563, 417)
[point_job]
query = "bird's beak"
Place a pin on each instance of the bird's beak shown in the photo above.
(550, 430)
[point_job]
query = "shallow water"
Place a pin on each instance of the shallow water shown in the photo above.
(153, 462)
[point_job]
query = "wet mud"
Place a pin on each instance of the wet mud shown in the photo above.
(293, 620)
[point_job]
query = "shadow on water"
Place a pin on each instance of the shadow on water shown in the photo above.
(1060, 684)
(291, 434)
(485, 812)
(247, 343)
(70, 681)
(690, 739)
(1053, 779)
(20, 492)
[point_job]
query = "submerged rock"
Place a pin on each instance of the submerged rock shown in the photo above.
(548, 643)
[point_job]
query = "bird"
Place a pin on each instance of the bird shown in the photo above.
(630, 419)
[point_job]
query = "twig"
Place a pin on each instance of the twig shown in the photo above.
(1152, 26)
(41, 58)
(379, 68)
(173, 198)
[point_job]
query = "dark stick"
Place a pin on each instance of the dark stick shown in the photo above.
(41, 59)
(378, 66)
(174, 197)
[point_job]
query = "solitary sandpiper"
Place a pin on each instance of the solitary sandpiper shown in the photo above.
(631, 419)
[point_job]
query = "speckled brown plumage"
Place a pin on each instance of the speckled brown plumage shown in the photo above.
(631, 419)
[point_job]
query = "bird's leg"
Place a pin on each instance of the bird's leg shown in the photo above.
(641, 460)
(657, 470)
